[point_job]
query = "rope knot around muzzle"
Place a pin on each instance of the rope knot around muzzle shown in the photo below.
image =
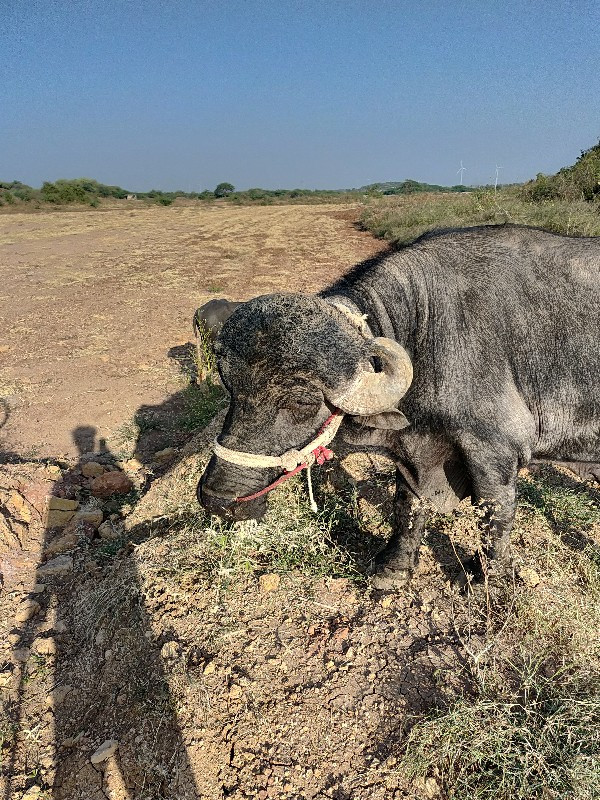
(292, 461)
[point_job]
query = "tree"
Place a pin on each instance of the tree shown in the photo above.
(223, 189)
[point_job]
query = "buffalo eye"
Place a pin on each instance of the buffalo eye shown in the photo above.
(300, 408)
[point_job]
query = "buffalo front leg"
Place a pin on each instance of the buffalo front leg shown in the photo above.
(495, 495)
(395, 564)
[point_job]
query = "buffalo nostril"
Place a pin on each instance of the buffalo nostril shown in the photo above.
(212, 502)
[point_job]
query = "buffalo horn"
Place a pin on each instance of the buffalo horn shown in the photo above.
(374, 392)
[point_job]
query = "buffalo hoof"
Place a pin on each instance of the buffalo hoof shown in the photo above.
(476, 577)
(389, 578)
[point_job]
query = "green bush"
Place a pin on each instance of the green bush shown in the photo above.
(63, 192)
(224, 189)
(581, 181)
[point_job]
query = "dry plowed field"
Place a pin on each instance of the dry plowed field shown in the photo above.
(92, 303)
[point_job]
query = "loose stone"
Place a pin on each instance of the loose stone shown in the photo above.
(106, 750)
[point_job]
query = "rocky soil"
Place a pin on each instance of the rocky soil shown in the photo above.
(128, 672)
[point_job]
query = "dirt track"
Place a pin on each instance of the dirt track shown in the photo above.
(92, 302)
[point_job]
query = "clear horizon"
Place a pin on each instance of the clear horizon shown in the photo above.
(331, 95)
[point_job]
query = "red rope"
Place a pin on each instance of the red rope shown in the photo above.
(321, 454)
(273, 485)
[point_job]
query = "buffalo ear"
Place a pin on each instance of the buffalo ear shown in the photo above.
(388, 420)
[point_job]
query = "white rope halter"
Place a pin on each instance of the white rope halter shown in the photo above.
(292, 461)
(288, 460)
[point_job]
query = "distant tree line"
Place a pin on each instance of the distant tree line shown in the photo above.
(90, 192)
(579, 181)
(87, 191)
(409, 186)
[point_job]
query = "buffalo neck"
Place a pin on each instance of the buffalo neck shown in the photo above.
(388, 296)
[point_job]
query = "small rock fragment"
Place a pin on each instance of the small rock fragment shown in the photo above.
(170, 650)
(6, 679)
(57, 518)
(111, 483)
(92, 469)
(269, 582)
(44, 645)
(38, 588)
(61, 544)
(91, 517)
(70, 742)
(62, 504)
(106, 750)
(27, 610)
(58, 695)
(236, 692)
(432, 788)
(209, 669)
(21, 654)
(165, 455)
(31, 793)
(61, 565)
(529, 577)
(133, 465)
(60, 511)
(340, 636)
(108, 531)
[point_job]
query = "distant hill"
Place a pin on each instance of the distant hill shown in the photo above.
(409, 186)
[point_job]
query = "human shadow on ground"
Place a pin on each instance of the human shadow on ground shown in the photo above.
(75, 686)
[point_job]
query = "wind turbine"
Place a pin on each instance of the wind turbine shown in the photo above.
(496, 181)
(460, 171)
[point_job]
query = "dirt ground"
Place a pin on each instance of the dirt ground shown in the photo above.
(92, 303)
(209, 685)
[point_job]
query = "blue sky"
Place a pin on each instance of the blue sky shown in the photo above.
(331, 94)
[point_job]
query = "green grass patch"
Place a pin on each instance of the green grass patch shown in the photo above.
(537, 736)
(530, 725)
(201, 403)
(290, 538)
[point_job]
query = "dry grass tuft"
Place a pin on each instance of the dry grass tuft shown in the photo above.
(530, 727)
(402, 219)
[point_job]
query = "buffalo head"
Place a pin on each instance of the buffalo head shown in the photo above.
(288, 362)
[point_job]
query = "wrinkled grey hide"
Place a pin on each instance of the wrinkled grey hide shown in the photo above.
(502, 326)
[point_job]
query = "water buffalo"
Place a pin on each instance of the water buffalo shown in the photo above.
(210, 317)
(207, 323)
(462, 357)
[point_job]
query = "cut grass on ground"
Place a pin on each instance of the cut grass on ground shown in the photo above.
(530, 728)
